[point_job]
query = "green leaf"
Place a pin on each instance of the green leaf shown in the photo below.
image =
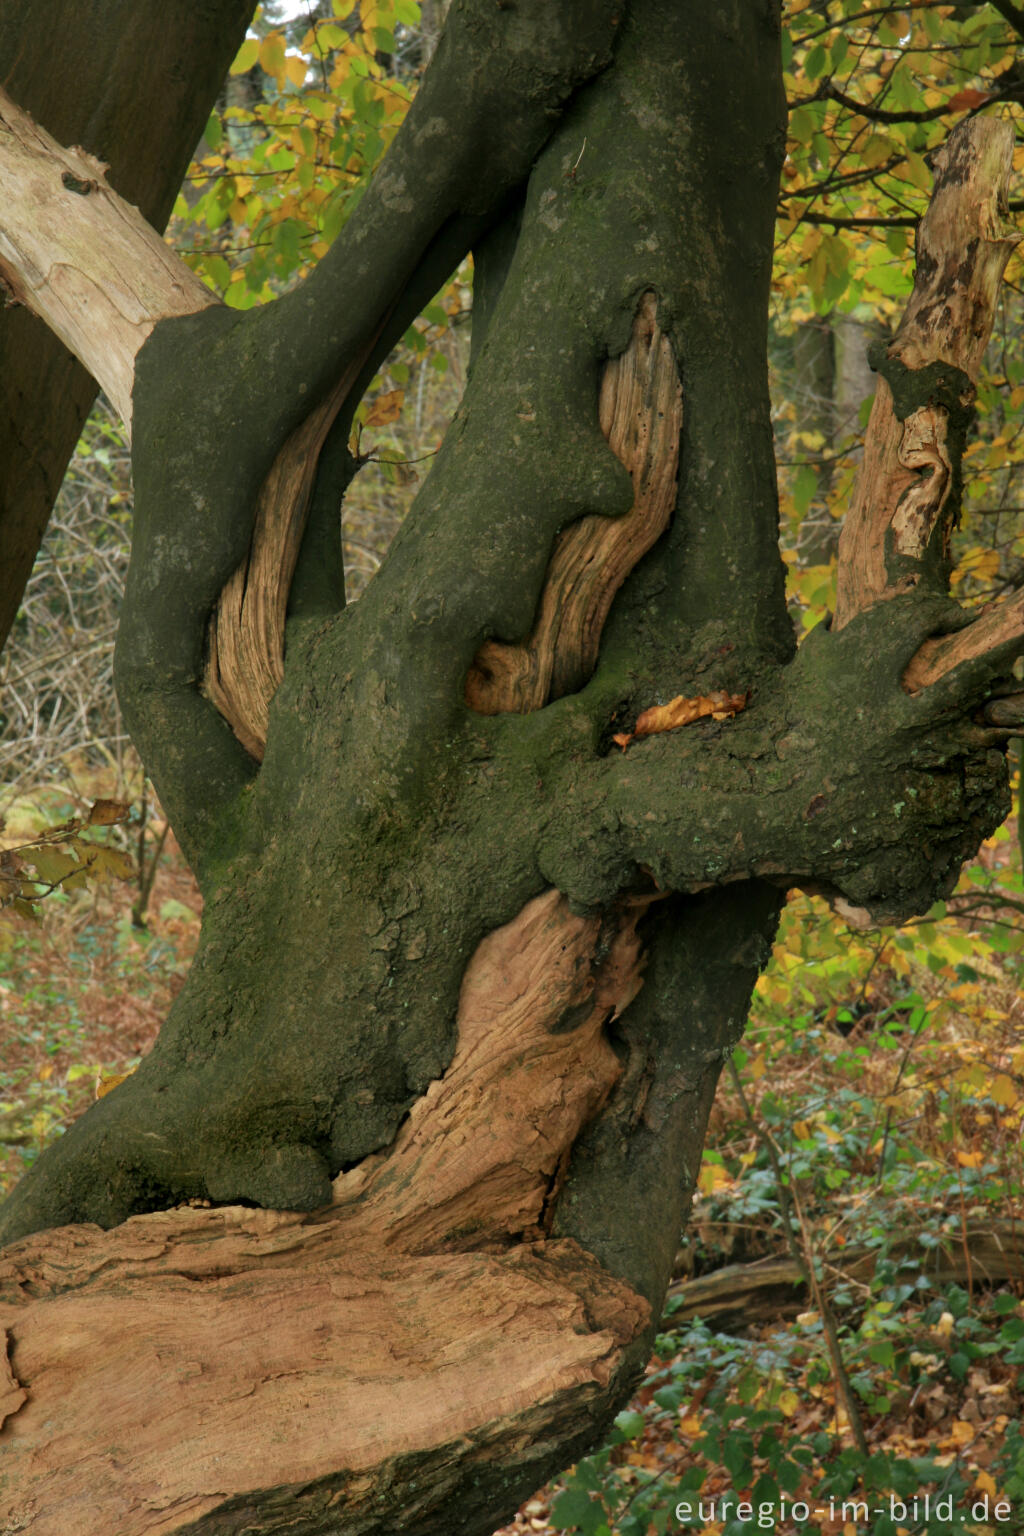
(630, 1424)
(576, 1510)
(805, 484)
(816, 62)
(246, 56)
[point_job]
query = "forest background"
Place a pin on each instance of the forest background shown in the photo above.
(847, 1315)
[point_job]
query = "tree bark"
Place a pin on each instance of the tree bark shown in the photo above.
(132, 82)
(416, 1014)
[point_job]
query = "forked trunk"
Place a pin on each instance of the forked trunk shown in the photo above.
(469, 966)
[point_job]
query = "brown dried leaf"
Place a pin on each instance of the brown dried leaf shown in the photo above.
(106, 813)
(385, 409)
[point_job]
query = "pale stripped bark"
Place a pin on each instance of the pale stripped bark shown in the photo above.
(394, 1322)
(82, 258)
(640, 409)
(901, 501)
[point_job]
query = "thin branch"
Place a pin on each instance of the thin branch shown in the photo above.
(802, 1252)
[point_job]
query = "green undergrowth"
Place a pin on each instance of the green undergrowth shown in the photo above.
(866, 1141)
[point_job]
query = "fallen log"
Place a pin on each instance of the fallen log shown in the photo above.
(740, 1295)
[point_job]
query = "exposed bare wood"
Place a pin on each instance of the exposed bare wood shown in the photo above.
(901, 503)
(464, 1158)
(245, 640)
(996, 625)
(82, 258)
(424, 1306)
(640, 409)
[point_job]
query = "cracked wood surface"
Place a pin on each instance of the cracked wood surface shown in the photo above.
(901, 507)
(82, 258)
(422, 1307)
(640, 408)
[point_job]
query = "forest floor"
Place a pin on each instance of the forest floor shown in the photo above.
(846, 1323)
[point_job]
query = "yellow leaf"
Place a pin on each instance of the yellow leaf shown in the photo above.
(969, 1159)
(712, 1176)
(986, 565)
(1004, 1091)
(986, 1484)
(691, 1425)
(105, 864)
(801, 1130)
(296, 70)
(106, 1081)
(386, 408)
(272, 58)
(45, 1073)
(246, 56)
(788, 1402)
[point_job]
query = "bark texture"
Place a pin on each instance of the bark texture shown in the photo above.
(132, 82)
(416, 1014)
(424, 1307)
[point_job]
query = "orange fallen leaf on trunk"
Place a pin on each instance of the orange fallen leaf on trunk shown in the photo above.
(682, 711)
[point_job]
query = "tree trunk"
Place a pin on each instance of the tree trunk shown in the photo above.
(469, 968)
(132, 82)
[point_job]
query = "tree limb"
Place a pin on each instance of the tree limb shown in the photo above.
(133, 85)
(897, 533)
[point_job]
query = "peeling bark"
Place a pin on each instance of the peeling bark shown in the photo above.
(640, 409)
(424, 1306)
(897, 531)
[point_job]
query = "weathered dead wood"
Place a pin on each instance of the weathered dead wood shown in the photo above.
(996, 625)
(245, 638)
(901, 511)
(88, 263)
(768, 1288)
(423, 1307)
(82, 258)
(640, 408)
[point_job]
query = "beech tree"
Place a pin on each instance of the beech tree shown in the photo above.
(376, 1237)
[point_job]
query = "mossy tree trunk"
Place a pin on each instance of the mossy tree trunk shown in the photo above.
(469, 969)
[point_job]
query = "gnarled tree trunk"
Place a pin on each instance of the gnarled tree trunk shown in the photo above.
(469, 968)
